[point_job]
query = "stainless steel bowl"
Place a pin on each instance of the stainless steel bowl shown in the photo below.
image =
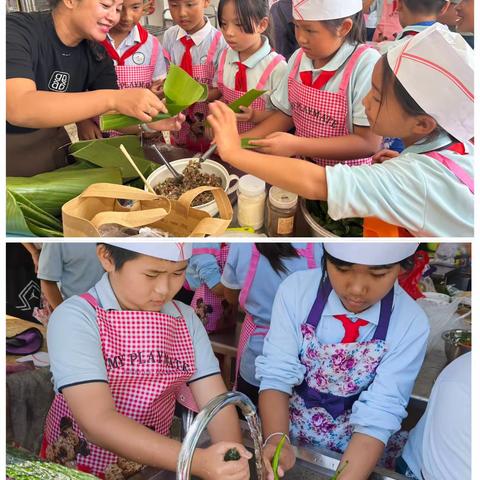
(453, 346)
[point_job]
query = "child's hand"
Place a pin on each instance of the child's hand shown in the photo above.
(287, 458)
(247, 114)
(157, 87)
(210, 464)
(277, 143)
(88, 130)
(171, 124)
(224, 125)
(383, 155)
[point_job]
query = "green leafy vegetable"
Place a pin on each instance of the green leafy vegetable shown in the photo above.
(246, 145)
(232, 455)
(347, 227)
(246, 100)
(276, 457)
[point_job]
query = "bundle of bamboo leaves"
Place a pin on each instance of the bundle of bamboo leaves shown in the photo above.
(34, 204)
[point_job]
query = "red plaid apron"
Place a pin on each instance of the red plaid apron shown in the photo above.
(388, 26)
(191, 134)
(249, 328)
(136, 76)
(159, 357)
(215, 317)
(321, 114)
(230, 95)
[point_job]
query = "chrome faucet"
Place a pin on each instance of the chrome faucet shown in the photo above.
(203, 418)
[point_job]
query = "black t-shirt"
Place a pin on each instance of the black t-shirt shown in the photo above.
(34, 51)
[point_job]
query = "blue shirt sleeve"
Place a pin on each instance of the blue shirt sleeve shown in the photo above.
(50, 264)
(229, 274)
(203, 268)
(381, 408)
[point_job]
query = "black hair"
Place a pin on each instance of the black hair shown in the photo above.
(275, 252)
(425, 7)
(249, 13)
(406, 101)
(407, 264)
(118, 255)
(358, 32)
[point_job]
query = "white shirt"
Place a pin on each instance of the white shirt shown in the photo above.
(439, 447)
(358, 86)
(143, 56)
(413, 191)
(256, 64)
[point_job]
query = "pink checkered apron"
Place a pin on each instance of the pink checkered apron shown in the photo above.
(217, 316)
(197, 114)
(148, 356)
(388, 26)
(249, 328)
(321, 114)
(230, 95)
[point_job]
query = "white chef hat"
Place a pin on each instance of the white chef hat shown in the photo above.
(436, 67)
(365, 253)
(325, 9)
(175, 252)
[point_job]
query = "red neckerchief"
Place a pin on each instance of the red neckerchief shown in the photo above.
(351, 328)
(457, 147)
(121, 60)
(321, 81)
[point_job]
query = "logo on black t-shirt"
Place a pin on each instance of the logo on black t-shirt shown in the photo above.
(59, 81)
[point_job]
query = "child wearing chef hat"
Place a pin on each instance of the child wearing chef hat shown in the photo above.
(322, 94)
(340, 359)
(422, 92)
(120, 352)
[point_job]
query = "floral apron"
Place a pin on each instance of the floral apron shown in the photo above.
(148, 356)
(336, 375)
(249, 328)
(388, 27)
(214, 312)
(133, 76)
(321, 114)
(374, 227)
(230, 95)
(192, 133)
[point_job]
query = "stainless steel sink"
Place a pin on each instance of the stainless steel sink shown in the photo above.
(312, 464)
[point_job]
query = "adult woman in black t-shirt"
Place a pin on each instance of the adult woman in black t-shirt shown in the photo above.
(58, 74)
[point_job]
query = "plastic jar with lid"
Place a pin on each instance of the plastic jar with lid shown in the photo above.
(281, 209)
(251, 202)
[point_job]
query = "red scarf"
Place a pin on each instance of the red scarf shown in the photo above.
(128, 53)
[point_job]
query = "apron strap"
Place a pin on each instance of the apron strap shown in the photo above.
(386, 307)
(205, 251)
(323, 292)
(456, 169)
(213, 47)
(352, 63)
(155, 51)
(221, 67)
(309, 254)
(268, 71)
(296, 65)
(250, 276)
(90, 299)
(167, 56)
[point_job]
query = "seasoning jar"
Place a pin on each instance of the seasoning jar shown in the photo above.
(251, 202)
(281, 209)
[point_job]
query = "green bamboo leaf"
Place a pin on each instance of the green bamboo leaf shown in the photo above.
(246, 145)
(276, 457)
(131, 143)
(16, 223)
(246, 100)
(181, 91)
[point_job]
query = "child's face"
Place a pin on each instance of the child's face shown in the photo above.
(93, 19)
(361, 286)
(466, 18)
(318, 42)
(448, 16)
(233, 33)
(188, 14)
(132, 11)
(387, 118)
(144, 283)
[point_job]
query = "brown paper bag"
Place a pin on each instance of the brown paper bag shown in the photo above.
(98, 205)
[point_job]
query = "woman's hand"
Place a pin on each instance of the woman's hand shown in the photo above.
(140, 103)
(247, 115)
(88, 130)
(173, 124)
(277, 143)
(383, 155)
(224, 125)
(209, 463)
(287, 457)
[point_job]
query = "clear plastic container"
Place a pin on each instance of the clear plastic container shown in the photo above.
(251, 202)
(281, 209)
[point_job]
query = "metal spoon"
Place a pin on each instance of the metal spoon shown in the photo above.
(176, 175)
(204, 156)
